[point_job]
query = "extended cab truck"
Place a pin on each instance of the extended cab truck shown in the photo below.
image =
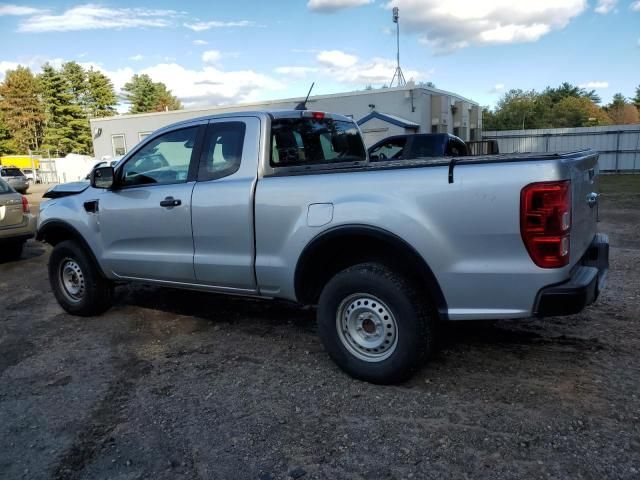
(287, 205)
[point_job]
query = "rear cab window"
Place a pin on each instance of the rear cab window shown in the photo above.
(11, 172)
(315, 140)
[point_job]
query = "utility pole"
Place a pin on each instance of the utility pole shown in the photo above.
(398, 73)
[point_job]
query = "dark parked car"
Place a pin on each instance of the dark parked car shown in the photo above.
(419, 145)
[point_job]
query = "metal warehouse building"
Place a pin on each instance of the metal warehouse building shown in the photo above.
(380, 113)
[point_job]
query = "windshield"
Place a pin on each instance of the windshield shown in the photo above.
(11, 172)
(305, 141)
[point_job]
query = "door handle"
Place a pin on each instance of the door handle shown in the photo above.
(170, 202)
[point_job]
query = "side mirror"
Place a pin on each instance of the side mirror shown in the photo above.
(102, 177)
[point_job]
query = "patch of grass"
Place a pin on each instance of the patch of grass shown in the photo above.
(620, 184)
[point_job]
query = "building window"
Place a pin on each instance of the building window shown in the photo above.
(456, 131)
(143, 135)
(119, 146)
(434, 128)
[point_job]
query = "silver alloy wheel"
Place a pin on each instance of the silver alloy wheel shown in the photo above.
(72, 280)
(367, 327)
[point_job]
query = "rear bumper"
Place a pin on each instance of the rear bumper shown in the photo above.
(21, 232)
(587, 281)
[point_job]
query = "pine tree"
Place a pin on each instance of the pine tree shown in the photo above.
(21, 109)
(144, 95)
(165, 100)
(67, 126)
(55, 99)
(101, 96)
(140, 93)
(76, 80)
(636, 99)
(7, 145)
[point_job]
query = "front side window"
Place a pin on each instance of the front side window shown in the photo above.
(118, 144)
(163, 160)
(391, 150)
(308, 141)
(224, 150)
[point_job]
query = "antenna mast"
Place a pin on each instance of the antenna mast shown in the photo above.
(398, 73)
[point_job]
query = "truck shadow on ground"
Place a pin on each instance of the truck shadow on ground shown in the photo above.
(519, 337)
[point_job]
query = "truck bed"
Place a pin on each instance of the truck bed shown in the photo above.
(451, 162)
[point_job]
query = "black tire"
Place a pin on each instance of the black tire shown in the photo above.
(412, 333)
(94, 293)
(11, 250)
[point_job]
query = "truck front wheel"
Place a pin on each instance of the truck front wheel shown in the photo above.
(374, 325)
(76, 281)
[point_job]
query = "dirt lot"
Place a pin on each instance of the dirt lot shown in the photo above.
(172, 384)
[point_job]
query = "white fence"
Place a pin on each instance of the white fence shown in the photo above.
(619, 145)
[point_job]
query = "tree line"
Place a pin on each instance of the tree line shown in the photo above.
(48, 113)
(560, 107)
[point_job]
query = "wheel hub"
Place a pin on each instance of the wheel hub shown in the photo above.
(367, 327)
(72, 280)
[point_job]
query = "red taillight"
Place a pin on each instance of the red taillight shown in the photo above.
(317, 115)
(545, 222)
(25, 205)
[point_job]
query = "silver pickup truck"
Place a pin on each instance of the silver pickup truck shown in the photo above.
(286, 205)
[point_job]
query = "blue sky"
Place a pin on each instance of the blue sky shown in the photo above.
(212, 52)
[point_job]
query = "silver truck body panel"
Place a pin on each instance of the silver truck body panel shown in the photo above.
(245, 233)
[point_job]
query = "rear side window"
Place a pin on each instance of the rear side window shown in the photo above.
(390, 150)
(308, 141)
(223, 153)
(11, 172)
(428, 146)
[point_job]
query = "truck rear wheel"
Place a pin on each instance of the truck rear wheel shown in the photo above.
(76, 281)
(374, 325)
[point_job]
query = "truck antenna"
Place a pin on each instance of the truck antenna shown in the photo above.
(303, 105)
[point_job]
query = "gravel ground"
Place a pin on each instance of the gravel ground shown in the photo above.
(172, 384)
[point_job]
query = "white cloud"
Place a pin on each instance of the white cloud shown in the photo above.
(200, 42)
(336, 58)
(605, 6)
(202, 26)
(92, 17)
(497, 88)
(211, 56)
(4, 66)
(210, 86)
(455, 24)
(594, 84)
(295, 72)
(635, 6)
(136, 58)
(328, 6)
(9, 9)
(350, 70)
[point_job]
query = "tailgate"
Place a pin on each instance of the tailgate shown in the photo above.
(10, 209)
(584, 198)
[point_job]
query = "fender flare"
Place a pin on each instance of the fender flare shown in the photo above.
(73, 234)
(399, 243)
